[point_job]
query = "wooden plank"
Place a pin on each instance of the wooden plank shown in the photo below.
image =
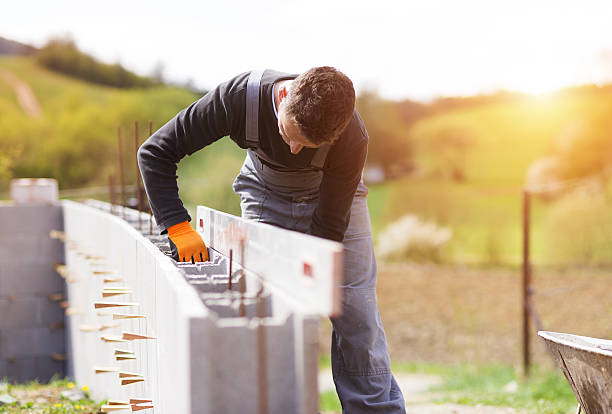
(88, 328)
(124, 374)
(127, 316)
(101, 370)
(118, 402)
(128, 336)
(108, 294)
(112, 339)
(141, 407)
(107, 408)
(113, 279)
(99, 305)
(106, 326)
(308, 269)
(127, 381)
(140, 400)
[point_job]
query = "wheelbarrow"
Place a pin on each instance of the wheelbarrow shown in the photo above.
(587, 366)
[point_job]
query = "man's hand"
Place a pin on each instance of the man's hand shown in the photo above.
(186, 244)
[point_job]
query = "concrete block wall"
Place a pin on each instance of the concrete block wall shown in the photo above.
(31, 324)
(205, 357)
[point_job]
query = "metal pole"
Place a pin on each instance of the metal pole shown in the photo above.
(262, 365)
(229, 276)
(121, 180)
(149, 201)
(138, 197)
(242, 281)
(526, 279)
(111, 192)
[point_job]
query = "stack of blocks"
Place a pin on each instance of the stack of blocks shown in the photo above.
(32, 329)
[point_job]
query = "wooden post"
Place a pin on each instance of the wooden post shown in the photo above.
(526, 279)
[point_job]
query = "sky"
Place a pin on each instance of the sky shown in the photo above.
(402, 49)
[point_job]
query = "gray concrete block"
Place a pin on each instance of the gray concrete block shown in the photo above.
(29, 312)
(21, 370)
(31, 219)
(3, 369)
(30, 248)
(280, 352)
(49, 313)
(236, 346)
(19, 313)
(31, 342)
(30, 369)
(24, 278)
(47, 367)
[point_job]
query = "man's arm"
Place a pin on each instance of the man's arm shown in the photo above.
(342, 174)
(202, 123)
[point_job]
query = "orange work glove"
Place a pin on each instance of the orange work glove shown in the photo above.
(186, 244)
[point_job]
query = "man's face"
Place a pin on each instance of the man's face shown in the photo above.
(291, 134)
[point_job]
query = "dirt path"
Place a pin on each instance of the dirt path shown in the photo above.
(458, 409)
(25, 96)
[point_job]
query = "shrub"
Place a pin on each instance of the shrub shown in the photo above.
(579, 228)
(62, 55)
(411, 238)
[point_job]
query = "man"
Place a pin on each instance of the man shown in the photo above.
(306, 148)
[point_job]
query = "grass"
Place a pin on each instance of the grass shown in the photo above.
(546, 391)
(34, 398)
(497, 385)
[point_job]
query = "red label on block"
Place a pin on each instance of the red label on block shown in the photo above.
(308, 270)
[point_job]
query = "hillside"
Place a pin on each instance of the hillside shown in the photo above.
(75, 137)
(11, 47)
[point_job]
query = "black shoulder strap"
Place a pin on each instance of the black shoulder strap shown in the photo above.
(319, 158)
(252, 109)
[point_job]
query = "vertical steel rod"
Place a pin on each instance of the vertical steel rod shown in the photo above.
(526, 279)
(229, 276)
(242, 287)
(138, 197)
(121, 178)
(262, 368)
(242, 281)
(111, 192)
(149, 201)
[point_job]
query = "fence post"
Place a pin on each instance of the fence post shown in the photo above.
(526, 280)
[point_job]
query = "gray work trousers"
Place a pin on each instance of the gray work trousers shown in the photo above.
(360, 359)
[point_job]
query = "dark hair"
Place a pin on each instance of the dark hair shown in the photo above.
(321, 101)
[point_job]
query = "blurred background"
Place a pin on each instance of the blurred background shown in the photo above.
(467, 105)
